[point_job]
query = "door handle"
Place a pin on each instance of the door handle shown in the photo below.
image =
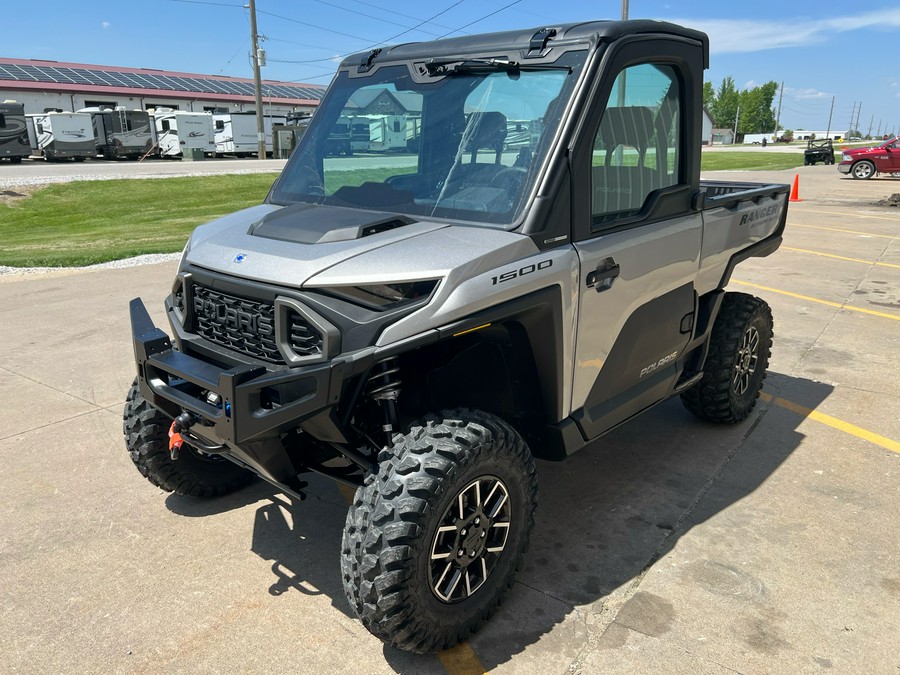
(603, 277)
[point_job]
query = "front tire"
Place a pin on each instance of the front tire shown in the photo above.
(739, 351)
(863, 170)
(193, 474)
(433, 540)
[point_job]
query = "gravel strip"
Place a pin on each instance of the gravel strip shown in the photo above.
(148, 259)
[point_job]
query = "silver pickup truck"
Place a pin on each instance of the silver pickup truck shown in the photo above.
(517, 256)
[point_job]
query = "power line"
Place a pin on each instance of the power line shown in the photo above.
(390, 11)
(310, 25)
(486, 16)
(368, 16)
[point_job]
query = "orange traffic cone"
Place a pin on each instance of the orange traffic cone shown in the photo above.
(795, 190)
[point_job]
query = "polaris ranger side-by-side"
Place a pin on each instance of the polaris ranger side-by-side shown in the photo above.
(500, 291)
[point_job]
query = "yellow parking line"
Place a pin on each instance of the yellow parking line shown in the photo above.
(838, 229)
(834, 422)
(852, 214)
(840, 257)
(839, 305)
(461, 660)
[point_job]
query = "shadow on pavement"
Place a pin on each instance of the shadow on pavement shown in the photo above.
(605, 515)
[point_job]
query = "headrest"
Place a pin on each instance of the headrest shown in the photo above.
(486, 130)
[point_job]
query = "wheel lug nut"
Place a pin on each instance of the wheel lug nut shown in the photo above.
(462, 533)
(461, 553)
(483, 533)
(472, 554)
(477, 521)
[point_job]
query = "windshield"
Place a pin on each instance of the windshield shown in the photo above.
(467, 146)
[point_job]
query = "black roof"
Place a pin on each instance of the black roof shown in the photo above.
(520, 40)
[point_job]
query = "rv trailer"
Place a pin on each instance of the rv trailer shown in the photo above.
(61, 135)
(14, 143)
(120, 132)
(178, 131)
(236, 133)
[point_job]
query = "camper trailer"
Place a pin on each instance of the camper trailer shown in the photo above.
(61, 135)
(13, 133)
(120, 132)
(236, 133)
(382, 133)
(178, 131)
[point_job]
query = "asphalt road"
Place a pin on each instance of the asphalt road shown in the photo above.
(670, 545)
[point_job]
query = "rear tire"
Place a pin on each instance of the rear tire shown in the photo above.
(433, 540)
(193, 474)
(739, 351)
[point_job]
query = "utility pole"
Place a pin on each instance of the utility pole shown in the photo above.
(828, 133)
(257, 84)
(878, 133)
(737, 116)
(624, 10)
(850, 124)
(778, 116)
(871, 122)
(856, 126)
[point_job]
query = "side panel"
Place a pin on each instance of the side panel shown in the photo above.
(652, 294)
(730, 229)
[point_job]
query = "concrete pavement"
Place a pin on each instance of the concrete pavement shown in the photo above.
(669, 545)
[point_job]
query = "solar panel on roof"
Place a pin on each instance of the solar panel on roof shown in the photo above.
(109, 78)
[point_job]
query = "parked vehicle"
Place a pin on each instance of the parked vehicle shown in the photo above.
(864, 163)
(818, 151)
(14, 143)
(178, 130)
(121, 133)
(236, 133)
(61, 135)
(421, 336)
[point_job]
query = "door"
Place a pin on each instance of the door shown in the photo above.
(640, 255)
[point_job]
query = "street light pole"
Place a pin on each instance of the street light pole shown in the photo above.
(257, 84)
(624, 10)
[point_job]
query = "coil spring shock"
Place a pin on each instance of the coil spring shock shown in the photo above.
(383, 386)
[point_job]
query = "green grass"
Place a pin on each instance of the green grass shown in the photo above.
(89, 222)
(750, 161)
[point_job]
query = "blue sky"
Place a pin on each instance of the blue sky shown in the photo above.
(819, 48)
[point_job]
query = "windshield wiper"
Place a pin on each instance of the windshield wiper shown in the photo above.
(461, 66)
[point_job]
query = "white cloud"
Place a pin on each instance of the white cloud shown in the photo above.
(106, 25)
(749, 84)
(807, 93)
(752, 35)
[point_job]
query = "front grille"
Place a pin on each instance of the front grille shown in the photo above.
(246, 326)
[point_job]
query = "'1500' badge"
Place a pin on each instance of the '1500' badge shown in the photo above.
(240, 257)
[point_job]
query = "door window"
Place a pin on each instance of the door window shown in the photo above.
(636, 147)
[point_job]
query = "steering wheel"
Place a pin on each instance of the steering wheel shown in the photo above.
(509, 178)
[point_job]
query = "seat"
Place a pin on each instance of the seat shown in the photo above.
(623, 182)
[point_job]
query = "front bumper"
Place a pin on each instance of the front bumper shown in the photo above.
(844, 168)
(252, 403)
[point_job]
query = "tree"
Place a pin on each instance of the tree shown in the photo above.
(709, 95)
(757, 115)
(723, 107)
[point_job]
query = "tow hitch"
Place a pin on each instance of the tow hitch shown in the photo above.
(178, 434)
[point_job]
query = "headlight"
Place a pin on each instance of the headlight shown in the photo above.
(847, 157)
(385, 296)
(187, 247)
